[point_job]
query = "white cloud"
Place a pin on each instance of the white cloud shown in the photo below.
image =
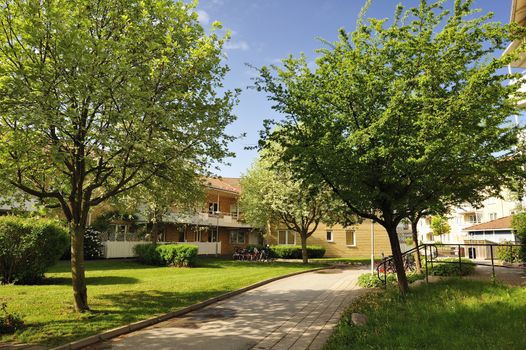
(237, 45)
(203, 17)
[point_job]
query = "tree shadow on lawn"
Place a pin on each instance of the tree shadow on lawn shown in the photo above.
(126, 307)
(99, 280)
(64, 266)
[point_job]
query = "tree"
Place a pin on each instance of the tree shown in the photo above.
(518, 222)
(440, 226)
(396, 106)
(272, 195)
(100, 97)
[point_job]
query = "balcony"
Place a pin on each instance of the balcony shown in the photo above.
(220, 219)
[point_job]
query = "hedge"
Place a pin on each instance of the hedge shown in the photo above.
(371, 280)
(294, 251)
(28, 247)
(509, 254)
(167, 254)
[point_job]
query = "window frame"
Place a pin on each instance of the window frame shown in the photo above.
(287, 233)
(353, 238)
(237, 235)
(331, 233)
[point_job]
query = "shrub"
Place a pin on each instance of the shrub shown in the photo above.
(294, 251)
(148, 254)
(9, 323)
(28, 247)
(167, 254)
(371, 280)
(178, 254)
(509, 254)
(451, 267)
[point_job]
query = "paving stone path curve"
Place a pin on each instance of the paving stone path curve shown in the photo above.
(297, 312)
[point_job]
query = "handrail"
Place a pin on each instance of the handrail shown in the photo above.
(435, 246)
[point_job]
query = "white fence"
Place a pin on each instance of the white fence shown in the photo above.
(123, 249)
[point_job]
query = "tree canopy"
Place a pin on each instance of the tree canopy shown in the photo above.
(412, 108)
(100, 97)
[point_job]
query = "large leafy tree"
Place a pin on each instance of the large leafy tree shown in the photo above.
(272, 195)
(397, 105)
(100, 97)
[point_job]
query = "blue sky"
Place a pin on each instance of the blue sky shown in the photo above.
(264, 31)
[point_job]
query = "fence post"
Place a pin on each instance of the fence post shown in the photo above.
(459, 262)
(492, 264)
(385, 275)
(425, 258)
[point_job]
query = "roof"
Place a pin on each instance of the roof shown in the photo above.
(518, 11)
(503, 223)
(229, 184)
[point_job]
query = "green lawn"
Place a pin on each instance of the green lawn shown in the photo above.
(453, 314)
(121, 292)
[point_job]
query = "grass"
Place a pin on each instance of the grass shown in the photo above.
(452, 314)
(122, 292)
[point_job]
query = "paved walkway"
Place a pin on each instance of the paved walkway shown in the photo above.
(298, 312)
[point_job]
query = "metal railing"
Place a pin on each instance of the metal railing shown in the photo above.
(431, 256)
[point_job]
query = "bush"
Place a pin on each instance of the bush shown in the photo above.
(148, 254)
(28, 247)
(166, 254)
(9, 323)
(294, 251)
(509, 254)
(370, 280)
(451, 267)
(178, 254)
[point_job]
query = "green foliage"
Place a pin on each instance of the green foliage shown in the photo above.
(167, 254)
(371, 280)
(451, 267)
(9, 322)
(509, 254)
(518, 222)
(148, 254)
(449, 312)
(28, 247)
(440, 226)
(178, 254)
(98, 98)
(294, 251)
(390, 109)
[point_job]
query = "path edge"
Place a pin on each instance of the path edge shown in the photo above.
(132, 327)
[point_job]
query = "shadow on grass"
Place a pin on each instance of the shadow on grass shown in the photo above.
(99, 280)
(127, 307)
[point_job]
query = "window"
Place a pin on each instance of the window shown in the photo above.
(286, 237)
(350, 238)
(237, 237)
(492, 216)
(213, 207)
(474, 218)
(405, 225)
(330, 237)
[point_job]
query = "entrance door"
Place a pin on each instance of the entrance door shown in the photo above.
(472, 252)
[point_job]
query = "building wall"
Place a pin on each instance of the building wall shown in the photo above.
(338, 247)
(461, 217)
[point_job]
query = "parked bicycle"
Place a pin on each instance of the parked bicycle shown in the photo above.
(252, 254)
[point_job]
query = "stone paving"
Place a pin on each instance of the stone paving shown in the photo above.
(298, 312)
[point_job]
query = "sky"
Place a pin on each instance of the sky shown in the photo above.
(265, 31)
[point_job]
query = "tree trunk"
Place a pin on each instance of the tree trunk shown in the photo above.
(78, 276)
(304, 254)
(414, 231)
(155, 232)
(397, 259)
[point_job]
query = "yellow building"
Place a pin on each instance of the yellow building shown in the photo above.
(340, 242)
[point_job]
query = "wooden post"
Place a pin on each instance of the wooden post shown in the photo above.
(425, 258)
